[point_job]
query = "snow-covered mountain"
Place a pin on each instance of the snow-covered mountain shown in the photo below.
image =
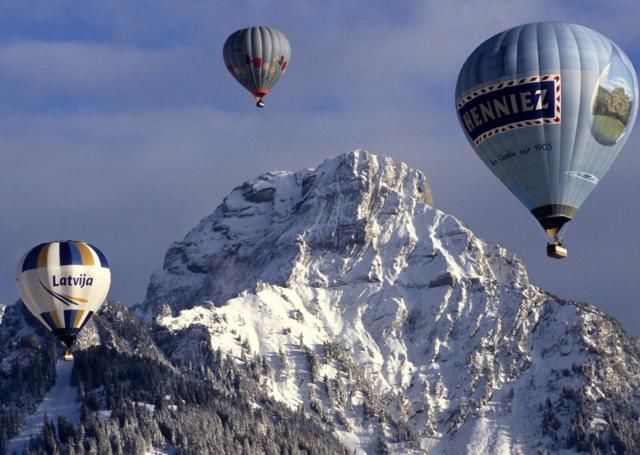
(391, 321)
(329, 308)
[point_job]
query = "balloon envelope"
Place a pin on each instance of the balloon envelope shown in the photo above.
(547, 107)
(257, 57)
(63, 284)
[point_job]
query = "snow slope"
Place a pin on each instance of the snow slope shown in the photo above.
(61, 400)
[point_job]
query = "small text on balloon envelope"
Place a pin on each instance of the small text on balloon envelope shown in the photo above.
(508, 154)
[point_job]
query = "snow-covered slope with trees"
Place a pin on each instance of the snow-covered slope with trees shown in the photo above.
(392, 321)
(123, 397)
(60, 402)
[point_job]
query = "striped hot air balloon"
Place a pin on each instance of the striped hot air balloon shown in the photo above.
(63, 284)
(547, 107)
(257, 57)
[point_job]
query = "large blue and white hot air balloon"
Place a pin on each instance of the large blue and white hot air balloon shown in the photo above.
(63, 284)
(547, 107)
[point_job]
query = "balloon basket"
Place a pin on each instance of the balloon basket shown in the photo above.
(68, 356)
(556, 251)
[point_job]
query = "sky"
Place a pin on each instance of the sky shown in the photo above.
(120, 125)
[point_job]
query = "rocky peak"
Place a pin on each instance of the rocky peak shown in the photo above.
(266, 226)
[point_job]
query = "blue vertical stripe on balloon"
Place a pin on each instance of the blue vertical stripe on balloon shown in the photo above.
(65, 253)
(103, 259)
(70, 254)
(31, 260)
(49, 320)
(69, 317)
(86, 319)
(76, 255)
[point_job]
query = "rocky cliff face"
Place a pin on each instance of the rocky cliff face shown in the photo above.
(391, 321)
(266, 230)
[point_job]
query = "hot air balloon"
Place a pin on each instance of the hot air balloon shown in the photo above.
(63, 284)
(257, 57)
(547, 107)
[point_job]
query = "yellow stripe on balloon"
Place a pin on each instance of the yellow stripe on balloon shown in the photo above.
(79, 318)
(85, 253)
(42, 256)
(75, 299)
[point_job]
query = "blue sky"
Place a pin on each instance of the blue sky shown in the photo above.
(120, 125)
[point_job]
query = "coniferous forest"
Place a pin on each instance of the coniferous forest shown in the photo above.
(133, 400)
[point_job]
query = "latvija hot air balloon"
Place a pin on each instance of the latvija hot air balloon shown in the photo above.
(63, 284)
(257, 57)
(547, 107)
